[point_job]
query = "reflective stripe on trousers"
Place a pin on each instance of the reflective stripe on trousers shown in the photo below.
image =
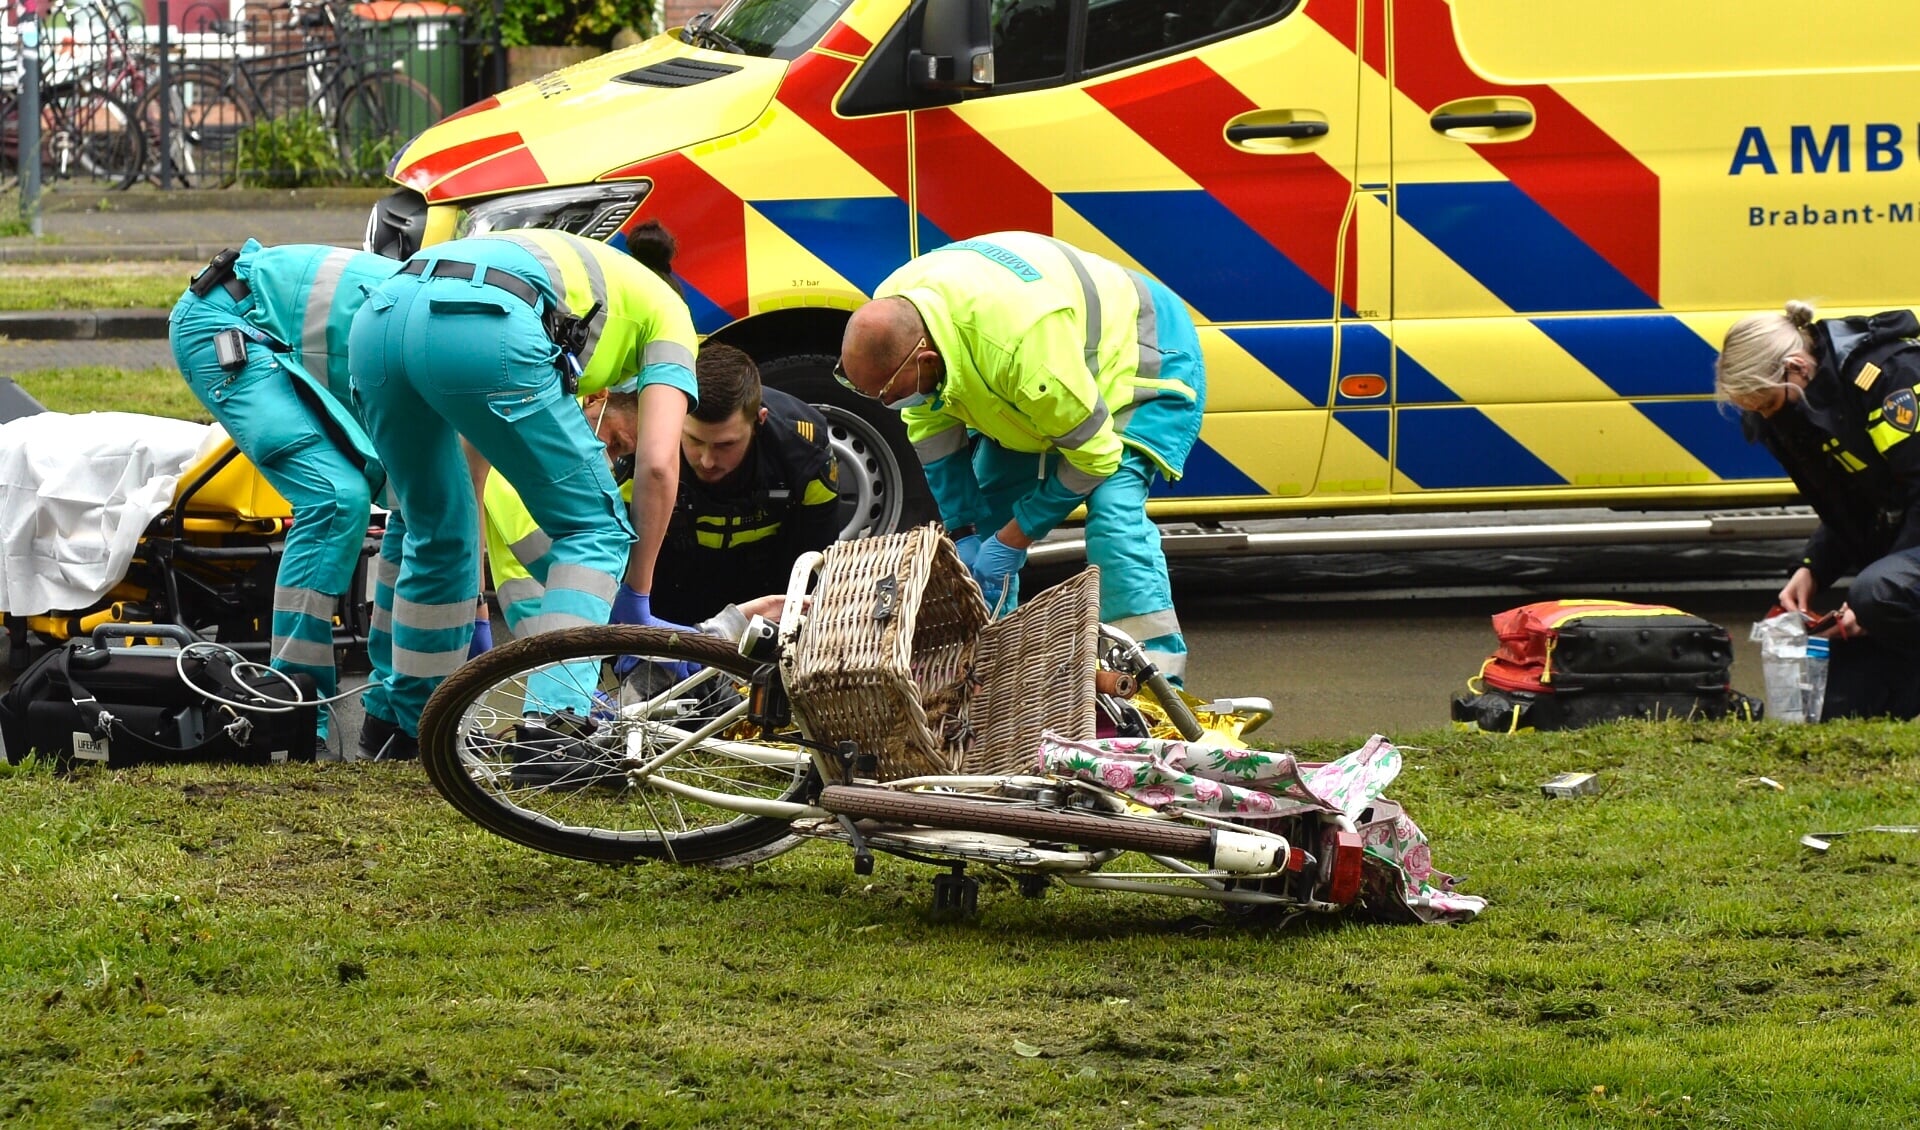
(386, 572)
(436, 359)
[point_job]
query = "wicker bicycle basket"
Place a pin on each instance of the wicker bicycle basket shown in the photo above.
(897, 656)
(1035, 676)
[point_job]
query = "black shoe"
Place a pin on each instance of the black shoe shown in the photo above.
(381, 740)
(323, 750)
(554, 753)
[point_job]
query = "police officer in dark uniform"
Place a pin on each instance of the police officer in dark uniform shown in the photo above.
(758, 487)
(1837, 402)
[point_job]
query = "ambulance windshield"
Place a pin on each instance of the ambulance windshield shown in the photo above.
(775, 29)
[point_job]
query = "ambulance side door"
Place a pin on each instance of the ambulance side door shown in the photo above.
(1540, 353)
(1210, 145)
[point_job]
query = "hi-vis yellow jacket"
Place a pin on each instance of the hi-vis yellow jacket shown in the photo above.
(1046, 347)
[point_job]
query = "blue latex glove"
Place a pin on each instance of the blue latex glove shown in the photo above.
(631, 607)
(997, 568)
(482, 638)
(969, 548)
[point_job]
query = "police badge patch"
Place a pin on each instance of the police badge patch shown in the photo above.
(1901, 410)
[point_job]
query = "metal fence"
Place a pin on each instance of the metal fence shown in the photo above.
(211, 93)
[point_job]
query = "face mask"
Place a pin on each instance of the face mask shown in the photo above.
(914, 400)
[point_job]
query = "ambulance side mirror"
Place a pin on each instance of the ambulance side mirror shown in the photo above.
(956, 47)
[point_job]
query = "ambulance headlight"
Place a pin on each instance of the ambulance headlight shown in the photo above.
(592, 211)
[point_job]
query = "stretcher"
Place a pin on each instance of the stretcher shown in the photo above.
(207, 563)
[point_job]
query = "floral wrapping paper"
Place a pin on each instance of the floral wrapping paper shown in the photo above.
(1226, 781)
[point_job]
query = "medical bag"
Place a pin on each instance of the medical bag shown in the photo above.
(89, 702)
(1565, 645)
(1563, 664)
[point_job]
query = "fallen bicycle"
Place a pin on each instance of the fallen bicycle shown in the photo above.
(890, 716)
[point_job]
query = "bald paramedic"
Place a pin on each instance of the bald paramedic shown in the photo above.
(491, 339)
(261, 337)
(1034, 377)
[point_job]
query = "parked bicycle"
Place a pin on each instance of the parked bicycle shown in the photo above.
(88, 127)
(889, 717)
(85, 133)
(356, 92)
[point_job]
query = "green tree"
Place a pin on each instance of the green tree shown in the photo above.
(576, 23)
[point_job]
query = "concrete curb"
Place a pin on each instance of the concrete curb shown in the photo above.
(209, 199)
(108, 252)
(83, 325)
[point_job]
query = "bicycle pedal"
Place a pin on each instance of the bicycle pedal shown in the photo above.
(956, 895)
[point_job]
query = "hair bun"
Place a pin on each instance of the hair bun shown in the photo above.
(1800, 313)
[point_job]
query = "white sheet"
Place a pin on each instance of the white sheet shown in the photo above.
(76, 492)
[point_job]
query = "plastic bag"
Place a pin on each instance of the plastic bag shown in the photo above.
(1783, 664)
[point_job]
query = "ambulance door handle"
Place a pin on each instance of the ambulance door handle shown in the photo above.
(1297, 130)
(1495, 119)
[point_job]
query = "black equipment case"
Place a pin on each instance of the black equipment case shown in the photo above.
(87, 701)
(1563, 664)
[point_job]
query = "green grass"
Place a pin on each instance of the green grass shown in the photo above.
(92, 286)
(100, 388)
(334, 946)
(12, 221)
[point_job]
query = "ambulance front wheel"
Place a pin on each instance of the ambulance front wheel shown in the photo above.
(881, 488)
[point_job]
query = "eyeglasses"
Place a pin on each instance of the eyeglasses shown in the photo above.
(840, 374)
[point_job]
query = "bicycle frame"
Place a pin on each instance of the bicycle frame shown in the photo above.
(1241, 854)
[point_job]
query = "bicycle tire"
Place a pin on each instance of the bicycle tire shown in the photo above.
(961, 813)
(378, 109)
(83, 131)
(112, 147)
(595, 815)
(208, 118)
(155, 100)
(9, 142)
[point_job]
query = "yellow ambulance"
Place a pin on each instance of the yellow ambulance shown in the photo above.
(1442, 254)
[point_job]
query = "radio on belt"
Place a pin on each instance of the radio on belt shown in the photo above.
(1571, 785)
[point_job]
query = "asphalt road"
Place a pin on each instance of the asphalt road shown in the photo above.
(1357, 644)
(25, 355)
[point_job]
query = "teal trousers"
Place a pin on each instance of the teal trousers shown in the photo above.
(435, 359)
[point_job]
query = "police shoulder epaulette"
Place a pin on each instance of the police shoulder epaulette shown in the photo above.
(1868, 374)
(805, 428)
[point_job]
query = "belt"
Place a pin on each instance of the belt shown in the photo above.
(494, 276)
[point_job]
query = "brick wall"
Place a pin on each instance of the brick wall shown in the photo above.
(680, 11)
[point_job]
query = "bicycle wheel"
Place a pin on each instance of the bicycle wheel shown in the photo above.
(83, 133)
(156, 103)
(107, 140)
(207, 118)
(974, 814)
(378, 115)
(504, 741)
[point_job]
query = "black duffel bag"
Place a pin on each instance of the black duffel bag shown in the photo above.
(89, 702)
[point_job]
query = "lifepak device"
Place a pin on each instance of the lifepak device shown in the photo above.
(230, 348)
